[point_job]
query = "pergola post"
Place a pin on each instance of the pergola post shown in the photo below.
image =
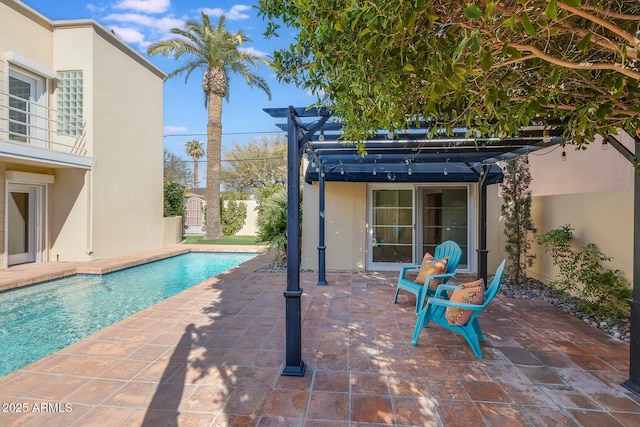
(633, 383)
(294, 366)
(482, 220)
(322, 281)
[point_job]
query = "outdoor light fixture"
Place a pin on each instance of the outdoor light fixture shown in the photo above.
(321, 136)
(341, 171)
(409, 172)
(605, 145)
(445, 171)
(374, 171)
(564, 156)
(545, 136)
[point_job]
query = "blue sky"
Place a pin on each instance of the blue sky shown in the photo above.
(141, 22)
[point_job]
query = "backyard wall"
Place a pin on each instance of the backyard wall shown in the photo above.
(592, 192)
(173, 230)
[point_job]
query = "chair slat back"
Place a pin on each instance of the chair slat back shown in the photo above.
(449, 249)
(496, 283)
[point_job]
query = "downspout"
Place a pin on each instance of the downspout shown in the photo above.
(89, 184)
(322, 281)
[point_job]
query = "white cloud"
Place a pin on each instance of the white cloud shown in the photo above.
(131, 18)
(130, 35)
(174, 129)
(253, 51)
(147, 6)
(217, 12)
(162, 25)
(233, 14)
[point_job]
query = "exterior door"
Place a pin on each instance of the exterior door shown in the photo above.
(392, 235)
(22, 223)
(444, 215)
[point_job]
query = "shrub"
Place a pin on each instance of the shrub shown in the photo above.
(174, 204)
(516, 210)
(233, 215)
(600, 291)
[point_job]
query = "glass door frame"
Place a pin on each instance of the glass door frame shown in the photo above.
(472, 209)
(386, 266)
(35, 223)
(472, 221)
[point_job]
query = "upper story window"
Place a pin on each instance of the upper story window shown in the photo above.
(70, 102)
(27, 107)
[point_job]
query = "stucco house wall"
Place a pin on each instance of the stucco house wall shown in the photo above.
(346, 226)
(111, 204)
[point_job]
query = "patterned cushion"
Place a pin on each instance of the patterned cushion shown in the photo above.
(431, 266)
(468, 293)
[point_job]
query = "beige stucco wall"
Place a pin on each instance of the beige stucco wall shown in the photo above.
(602, 218)
(250, 227)
(345, 225)
(173, 230)
(123, 107)
(592, 192)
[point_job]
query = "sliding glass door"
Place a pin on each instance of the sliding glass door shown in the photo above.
(444, 215)
(391, 226)
(406, 221)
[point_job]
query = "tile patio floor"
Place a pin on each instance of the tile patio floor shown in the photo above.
(212, 356)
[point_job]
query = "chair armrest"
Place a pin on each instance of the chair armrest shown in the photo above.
(404, 270)
(460, 305)
(444, 288)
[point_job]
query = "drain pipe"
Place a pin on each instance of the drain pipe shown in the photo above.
(89, 186)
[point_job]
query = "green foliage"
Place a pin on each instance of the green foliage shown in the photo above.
(516, 210)
(234, 195)
(263, 194)
(272, 220)
(233, 215)
(491, 67)
(250, 166)
(173, 199)
(601, 291)
(176, 169)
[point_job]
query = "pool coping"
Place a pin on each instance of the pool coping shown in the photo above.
(30, 274)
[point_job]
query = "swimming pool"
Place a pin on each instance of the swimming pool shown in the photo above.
(39, 320)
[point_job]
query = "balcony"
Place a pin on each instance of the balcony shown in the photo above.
(33, 134)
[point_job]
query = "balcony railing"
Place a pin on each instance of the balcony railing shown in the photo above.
(23, 121)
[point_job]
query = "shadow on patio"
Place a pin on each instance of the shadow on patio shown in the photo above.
(212, 355)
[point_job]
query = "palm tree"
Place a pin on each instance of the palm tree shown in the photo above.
(195, 151)
(218, 53)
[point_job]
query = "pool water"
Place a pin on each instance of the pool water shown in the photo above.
(41, 319)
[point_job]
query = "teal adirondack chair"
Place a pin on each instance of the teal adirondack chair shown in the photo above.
(422, 291)
(436, 307)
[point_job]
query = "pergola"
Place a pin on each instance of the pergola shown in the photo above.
(418, 154)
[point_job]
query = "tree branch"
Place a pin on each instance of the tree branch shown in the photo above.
(596, 20)
(620, 68)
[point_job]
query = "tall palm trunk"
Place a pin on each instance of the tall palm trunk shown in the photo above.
(195, 173)
(214, 140)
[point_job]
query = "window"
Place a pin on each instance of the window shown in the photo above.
(19, 99)
(70, 102)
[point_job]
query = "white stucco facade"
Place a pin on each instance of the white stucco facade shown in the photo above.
(98, 192)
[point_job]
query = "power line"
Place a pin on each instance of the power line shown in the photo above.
(223, 134)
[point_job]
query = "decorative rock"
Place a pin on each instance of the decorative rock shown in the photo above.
(532, 289)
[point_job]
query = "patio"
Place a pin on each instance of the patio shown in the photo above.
(212, 356)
